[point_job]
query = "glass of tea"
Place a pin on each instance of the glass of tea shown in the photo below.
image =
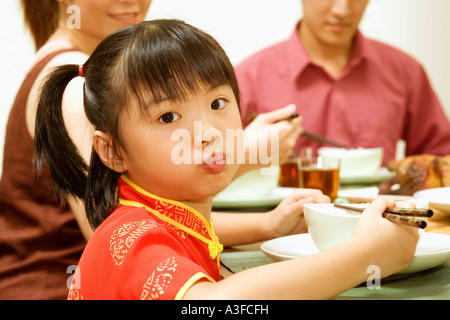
(289, 176)
(319, 173)
(289, 170)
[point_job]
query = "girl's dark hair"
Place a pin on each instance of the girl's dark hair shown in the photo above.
(159, 59)
(41, 17)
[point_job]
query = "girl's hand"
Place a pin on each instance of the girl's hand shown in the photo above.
(390, 245)
(287, 218)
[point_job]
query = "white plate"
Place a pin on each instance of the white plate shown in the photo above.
(432, 250)
(380, 175)
(439, 198)
(277, 195)
(367, 195)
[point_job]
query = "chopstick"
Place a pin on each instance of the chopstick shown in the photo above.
(399, 215)
(318, 138)
(324, 140)
(424, 213)
(307, 134)
(411, 212)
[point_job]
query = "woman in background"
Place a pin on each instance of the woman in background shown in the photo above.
(39, 237)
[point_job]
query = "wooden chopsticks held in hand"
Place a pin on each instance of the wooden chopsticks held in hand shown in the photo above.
(308, 135)
(409, 217)
(323, 140)
(318, 138)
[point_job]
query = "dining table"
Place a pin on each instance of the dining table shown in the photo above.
(429, 284)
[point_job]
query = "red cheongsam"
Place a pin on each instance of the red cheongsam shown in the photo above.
(148, 248)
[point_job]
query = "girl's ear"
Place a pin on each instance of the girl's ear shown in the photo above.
(103, 146)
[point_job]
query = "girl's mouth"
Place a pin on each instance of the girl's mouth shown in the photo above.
(216, 162)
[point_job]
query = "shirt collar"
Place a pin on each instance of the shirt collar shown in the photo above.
(363, 50)
(299, 59)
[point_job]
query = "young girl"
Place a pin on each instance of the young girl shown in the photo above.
(154, 235)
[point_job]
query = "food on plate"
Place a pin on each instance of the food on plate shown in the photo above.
(415, 173)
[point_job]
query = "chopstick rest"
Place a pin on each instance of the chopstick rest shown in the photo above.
(406, 216)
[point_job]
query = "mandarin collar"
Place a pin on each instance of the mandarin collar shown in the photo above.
(175, 213)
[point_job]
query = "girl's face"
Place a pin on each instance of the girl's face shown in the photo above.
(180, 152)
(99, 18)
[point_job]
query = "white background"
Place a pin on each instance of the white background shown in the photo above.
(419, 27)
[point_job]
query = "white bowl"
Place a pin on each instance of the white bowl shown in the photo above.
(439, 199)
(329, 226)
(355, 162)
(255, 184)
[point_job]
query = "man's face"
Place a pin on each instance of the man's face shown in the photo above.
(333, 22)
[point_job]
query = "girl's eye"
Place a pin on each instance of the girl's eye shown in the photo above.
(169, 117)
(218, 104)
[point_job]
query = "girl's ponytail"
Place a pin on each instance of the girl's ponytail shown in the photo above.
(54, 149)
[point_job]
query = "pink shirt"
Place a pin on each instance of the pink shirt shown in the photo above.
(381, 96)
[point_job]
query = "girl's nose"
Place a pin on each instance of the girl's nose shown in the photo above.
(207, 132)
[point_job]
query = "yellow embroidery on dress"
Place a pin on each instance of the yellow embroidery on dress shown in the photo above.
(214, 246)
(124, 236)
(194, 279)
(176, 203)
(74, 294)
(160, 279)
